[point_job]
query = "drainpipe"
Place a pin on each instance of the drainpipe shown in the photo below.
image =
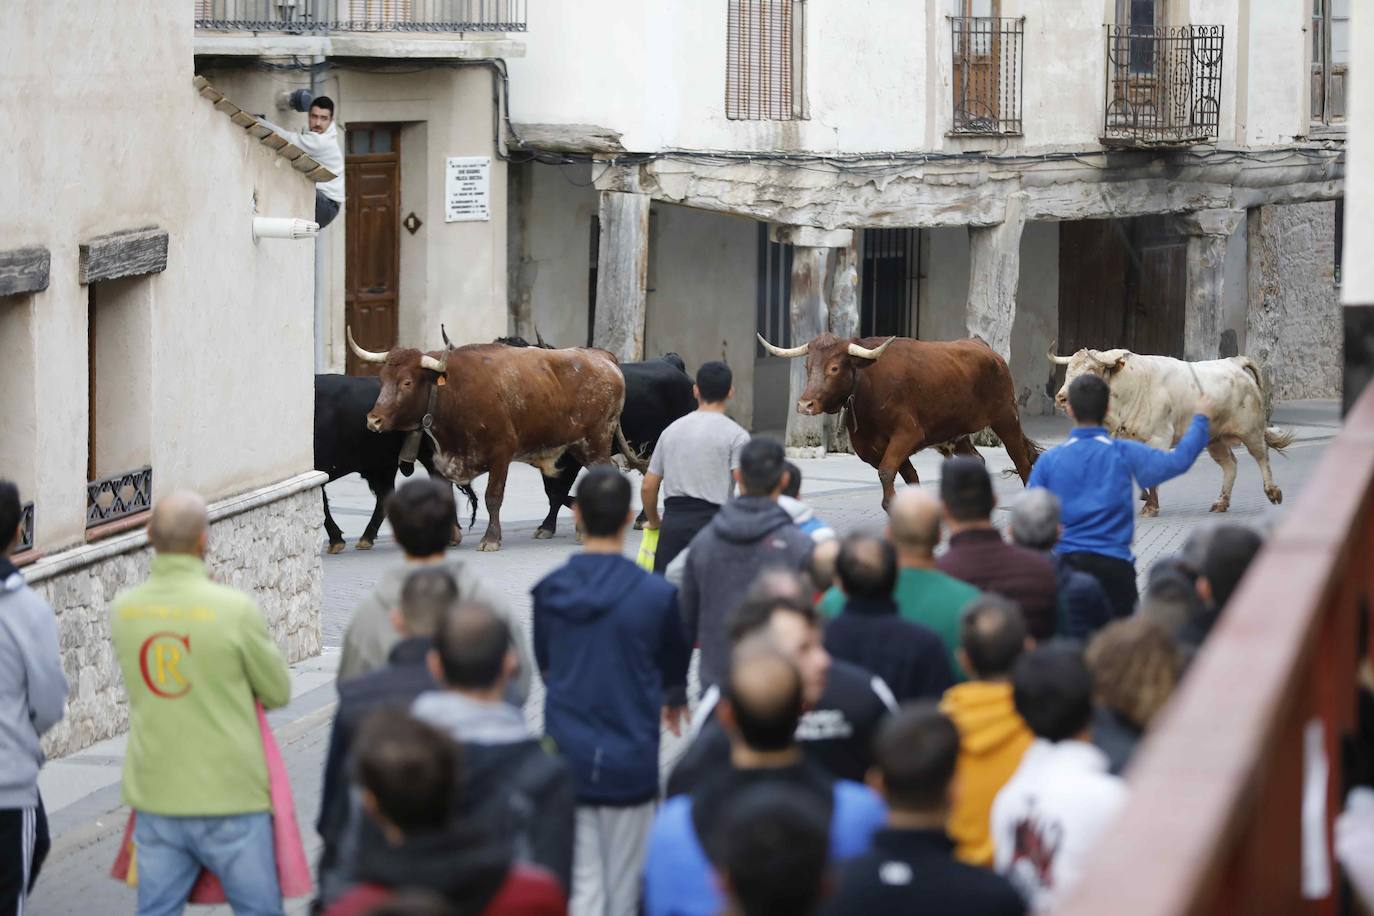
(321, 306)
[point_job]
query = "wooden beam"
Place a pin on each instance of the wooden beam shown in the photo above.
(123, 254)
(621, 275)
(567, 138)
(24, 270)
(809, 317)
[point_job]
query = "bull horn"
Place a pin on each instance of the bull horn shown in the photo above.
(1057, 360)
(539, 338)
(366, 356)
(789, 353)
(443, 331)
(433, 365)
(865, 353)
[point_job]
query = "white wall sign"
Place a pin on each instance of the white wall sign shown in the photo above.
(467, 189)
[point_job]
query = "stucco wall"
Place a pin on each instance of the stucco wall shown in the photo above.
(555, 257)
(944, 289)
(1277, 73)
(120, 140)
(1357, 268)
(1294, 328)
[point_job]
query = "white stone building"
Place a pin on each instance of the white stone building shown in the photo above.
(1158, 174)
(150, 341)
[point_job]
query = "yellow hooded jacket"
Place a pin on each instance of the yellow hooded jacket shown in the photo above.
(992, 738)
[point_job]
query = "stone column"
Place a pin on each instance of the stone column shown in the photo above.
(994, 271)
(622, 267)
(843, 302)
(1208, 232)
(809, 312)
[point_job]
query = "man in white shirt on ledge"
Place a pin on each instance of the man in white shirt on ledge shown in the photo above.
(321, 142)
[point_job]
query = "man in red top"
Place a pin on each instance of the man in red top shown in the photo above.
(408, 775)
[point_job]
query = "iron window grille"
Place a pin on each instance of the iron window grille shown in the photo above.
(118, 496)
(320, 16)
(773, 314)
(765, 70)
(25, 527)
(988, 75)
(1163, 85)
(890, 283)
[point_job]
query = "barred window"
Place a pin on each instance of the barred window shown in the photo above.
(765, 60)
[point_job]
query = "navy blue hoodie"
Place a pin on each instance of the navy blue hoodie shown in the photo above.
(609, 641)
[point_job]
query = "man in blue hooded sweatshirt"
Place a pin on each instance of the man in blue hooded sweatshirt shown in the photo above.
(610, 645)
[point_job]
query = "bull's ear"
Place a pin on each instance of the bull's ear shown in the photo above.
(1111, 360)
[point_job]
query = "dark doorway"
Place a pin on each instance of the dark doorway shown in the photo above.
(889, 302)
(372, 260)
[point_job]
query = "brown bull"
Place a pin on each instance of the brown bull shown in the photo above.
(490, 405)
(901, 395)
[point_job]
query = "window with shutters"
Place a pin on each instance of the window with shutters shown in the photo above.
(1330, 59)
(765, 60)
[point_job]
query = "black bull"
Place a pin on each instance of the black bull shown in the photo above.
(343, 446)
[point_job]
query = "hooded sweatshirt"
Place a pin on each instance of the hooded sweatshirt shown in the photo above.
(371, 635)
(32, 686)
(748, 535)
(992, 739)
(610, 645)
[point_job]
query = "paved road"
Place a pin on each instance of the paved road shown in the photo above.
(82, 790)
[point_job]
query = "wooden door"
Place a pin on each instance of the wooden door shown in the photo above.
(372, 180)
(977, 54)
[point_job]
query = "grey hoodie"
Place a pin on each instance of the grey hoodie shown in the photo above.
(371, 635)
(33, 688)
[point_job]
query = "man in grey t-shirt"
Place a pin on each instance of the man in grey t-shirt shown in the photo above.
(693, 462)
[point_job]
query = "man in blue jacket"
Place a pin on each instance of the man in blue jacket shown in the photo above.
(1092, 474)
(609, 642)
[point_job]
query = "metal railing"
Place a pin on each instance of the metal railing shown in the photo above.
(322, 16)
(1234, 792)
(111, 498)
(987, 74)
(1163, 84)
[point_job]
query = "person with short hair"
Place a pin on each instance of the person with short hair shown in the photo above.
(610, 647)
(843, 704)
(1093, 476)
(195, 655)
(321, 142)
(773, 850)
(409, 778)
(513, 784)
(1083, 607)
(421, 516)
(992, 736)
(978, 555)
(803, 516)
(1171, 600)
(33, 692)
(923, 593)
(762, 706)
(911, 867)
(1135, 665)
(751, 533)
(1061, 800)
(693, 463)
(427, 595)
(1229, 550)
(870, 633)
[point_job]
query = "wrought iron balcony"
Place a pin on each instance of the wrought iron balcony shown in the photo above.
(315, 17)
(987, 75)
(1163, 85)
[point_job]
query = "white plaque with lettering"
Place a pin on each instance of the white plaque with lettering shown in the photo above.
(467, 189)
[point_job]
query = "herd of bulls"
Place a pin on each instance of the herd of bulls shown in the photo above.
(476, 409)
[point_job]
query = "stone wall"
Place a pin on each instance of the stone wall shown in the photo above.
(272, 552)
(1293, 328)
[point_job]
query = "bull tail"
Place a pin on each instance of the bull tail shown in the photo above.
(1278, 438)
(633, 458)
(472, 502)
(1266, 396)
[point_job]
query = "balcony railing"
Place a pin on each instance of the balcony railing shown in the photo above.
(313, 17)
(987, 75)
(1163, 84)
(1235, 790)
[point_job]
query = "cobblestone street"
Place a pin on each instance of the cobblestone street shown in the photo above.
(81, 791)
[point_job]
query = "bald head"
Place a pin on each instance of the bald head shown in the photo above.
(178, 523)
(764, 695)
(913, 521)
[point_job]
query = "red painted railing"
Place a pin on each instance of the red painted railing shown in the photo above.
(1215, 819)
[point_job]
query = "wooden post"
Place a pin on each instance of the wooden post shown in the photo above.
(808, 314)
(844, 322)
(621, 274)
(994, 270)
(1208, 233)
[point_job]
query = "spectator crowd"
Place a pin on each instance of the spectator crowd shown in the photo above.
(877, 724)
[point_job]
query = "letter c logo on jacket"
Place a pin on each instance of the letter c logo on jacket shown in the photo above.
(159, 658)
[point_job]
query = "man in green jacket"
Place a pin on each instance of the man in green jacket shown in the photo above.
(195, 655)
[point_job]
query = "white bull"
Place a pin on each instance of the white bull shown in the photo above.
(1153, 399)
